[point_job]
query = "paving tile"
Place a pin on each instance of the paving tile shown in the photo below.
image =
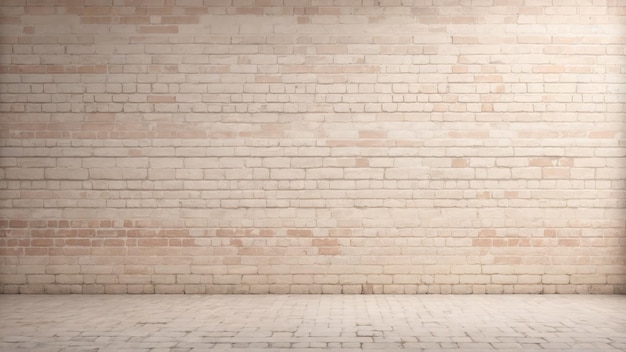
(192, 323)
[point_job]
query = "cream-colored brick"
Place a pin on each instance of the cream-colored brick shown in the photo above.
(14, 279)
(39, 279)
(24, 174)
(504, 279)
(529, 279)
(555, 279)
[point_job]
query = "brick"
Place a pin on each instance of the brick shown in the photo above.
(66, 174)
(24, 174)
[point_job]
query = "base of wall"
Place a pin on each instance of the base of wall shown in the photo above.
(312, 289)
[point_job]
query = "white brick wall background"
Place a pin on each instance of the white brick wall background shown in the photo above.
(312, 146)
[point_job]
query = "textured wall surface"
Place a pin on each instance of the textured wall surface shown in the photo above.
(312, 146)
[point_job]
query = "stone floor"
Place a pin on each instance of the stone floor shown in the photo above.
(119, 323)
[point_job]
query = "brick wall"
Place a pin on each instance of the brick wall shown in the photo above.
(312, 146)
